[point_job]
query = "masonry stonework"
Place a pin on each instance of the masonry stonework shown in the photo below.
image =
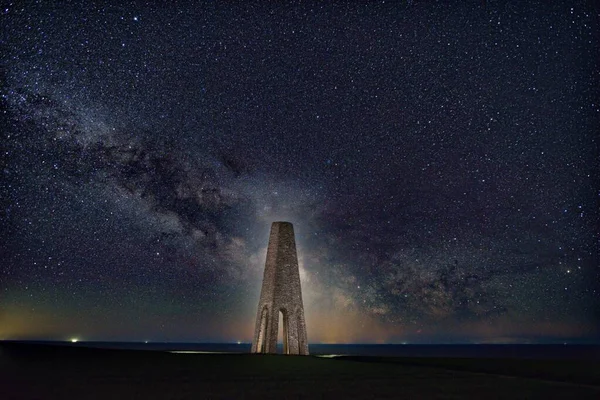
(281, 292)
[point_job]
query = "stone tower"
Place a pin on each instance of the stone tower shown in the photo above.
(281, 292)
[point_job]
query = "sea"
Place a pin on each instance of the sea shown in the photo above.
(519, 351)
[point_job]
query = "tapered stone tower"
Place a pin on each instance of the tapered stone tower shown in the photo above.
(281, 292)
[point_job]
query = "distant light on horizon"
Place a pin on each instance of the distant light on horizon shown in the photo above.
(74, 340)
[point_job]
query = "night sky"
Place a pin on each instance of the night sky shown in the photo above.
(439, 162)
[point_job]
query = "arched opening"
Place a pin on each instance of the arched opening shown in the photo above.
(261, 346)
(283, 331)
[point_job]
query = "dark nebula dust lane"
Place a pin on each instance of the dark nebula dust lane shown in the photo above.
(439, 163)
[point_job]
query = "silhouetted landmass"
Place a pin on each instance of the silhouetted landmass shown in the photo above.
(572, 371)
(57, 372)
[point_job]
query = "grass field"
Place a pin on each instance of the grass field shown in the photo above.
(29, 371)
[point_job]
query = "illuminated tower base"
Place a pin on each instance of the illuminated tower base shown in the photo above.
(281, 293)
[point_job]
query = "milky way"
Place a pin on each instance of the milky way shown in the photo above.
(439, 163)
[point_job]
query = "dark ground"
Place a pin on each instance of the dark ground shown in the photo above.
(34, 371)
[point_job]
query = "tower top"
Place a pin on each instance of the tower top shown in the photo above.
(282, 223)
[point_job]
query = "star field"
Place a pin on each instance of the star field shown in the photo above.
(439, 162)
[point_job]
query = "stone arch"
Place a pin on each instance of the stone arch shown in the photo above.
(286, 329)
(262, 343)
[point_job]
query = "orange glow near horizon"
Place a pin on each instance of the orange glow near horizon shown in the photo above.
(323, 327)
